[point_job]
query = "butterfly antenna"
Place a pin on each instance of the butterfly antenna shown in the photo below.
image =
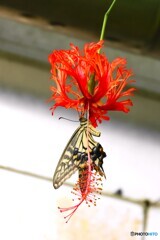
(67, 119)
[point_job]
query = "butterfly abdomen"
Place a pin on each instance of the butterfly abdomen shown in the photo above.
(83, 178)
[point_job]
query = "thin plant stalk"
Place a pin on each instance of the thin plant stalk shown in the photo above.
(92, 82)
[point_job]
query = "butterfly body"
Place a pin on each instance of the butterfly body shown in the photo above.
(75, 155)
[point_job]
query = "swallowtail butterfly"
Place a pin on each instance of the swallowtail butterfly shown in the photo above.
(75, 154)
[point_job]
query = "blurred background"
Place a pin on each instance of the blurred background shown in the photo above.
(32, 140)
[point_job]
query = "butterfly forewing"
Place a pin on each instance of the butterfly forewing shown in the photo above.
(69, 161)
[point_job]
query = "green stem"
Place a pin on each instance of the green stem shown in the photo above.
(92, 82)
(105, 20)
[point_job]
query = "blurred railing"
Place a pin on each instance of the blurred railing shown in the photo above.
(145, 204)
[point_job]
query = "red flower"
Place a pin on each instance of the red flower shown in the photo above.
(87, 82)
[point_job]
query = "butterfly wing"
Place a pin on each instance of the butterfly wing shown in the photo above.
(75, 156)
(69, 161)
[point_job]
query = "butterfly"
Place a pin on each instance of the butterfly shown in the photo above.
(75, 154)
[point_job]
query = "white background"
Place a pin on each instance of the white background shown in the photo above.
(32, 140)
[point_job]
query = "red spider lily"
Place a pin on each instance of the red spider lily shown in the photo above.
(88, 82)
